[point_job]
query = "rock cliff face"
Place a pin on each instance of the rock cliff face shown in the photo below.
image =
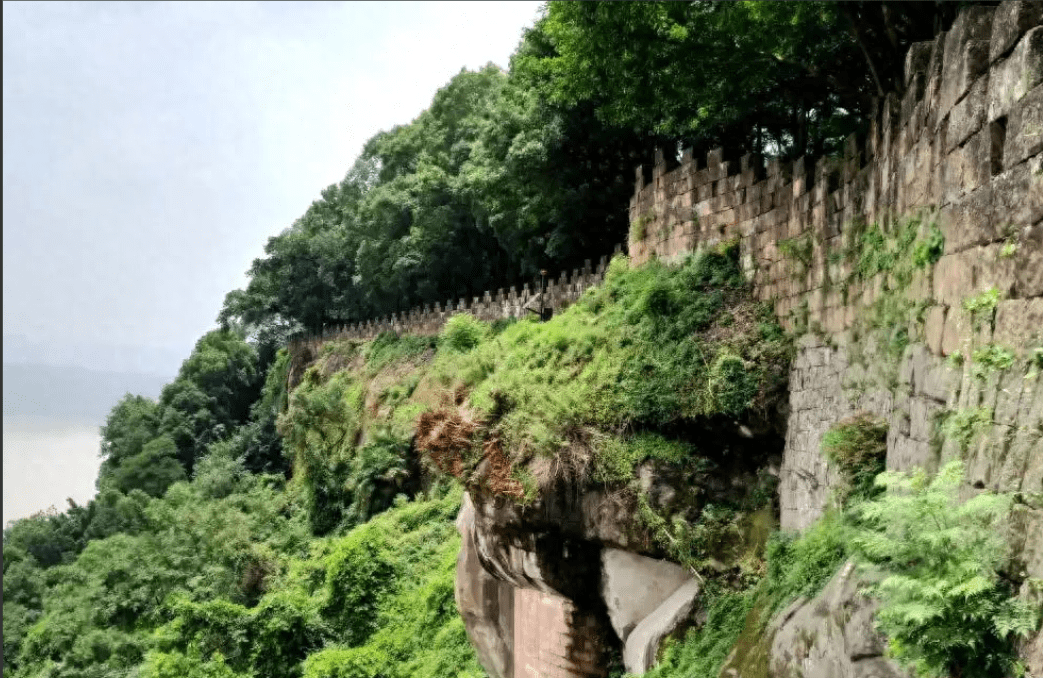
(587, 596)
(831, 635)
(547, 589)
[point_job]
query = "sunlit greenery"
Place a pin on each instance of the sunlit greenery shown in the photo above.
(243, 528)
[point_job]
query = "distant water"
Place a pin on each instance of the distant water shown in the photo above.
(47, 460)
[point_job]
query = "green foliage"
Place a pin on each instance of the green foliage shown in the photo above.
(691, 70)
(463, 332)
(798, 249)
(802, 565)
(737, 620)
(632, 352)
(639, 227)
(858, 448)
(929, 249)
(212, 394)
(131, 423)
(152, 471)
(360, 575)
(376, 602)
(982, 307)
(617, 457)
(991, 358)
(944, 606)
(702, 652)
(320, 428)
(965, 425)
(390, 348)
(348, 474)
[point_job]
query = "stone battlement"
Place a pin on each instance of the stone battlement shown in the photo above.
(510, 303)
(964, 139)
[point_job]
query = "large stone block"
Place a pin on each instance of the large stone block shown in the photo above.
(633, 586)
(1017, 198)
(1019, 323)
(963, 62)
(1028, 262)
(954, 278)
(1013, 78)
(1011, 20)
(968, 115)
(642, 645)
(967, 167)
(485, 603)
(934, 327)
(957, 333)
(831, 636)
(1024, 130)
(994, 269)
(917, 59)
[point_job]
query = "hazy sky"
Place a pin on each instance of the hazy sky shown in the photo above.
(150, 149)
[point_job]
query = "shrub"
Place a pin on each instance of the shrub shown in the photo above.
(965, 426)
(982, 307)
(703, 650)
(361, 574)
(992, 358)
(929, 249)
(463, 332)
(944, 606)
(857, 447)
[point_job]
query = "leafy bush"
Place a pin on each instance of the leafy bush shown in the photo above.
(965, 426)
(360, 574)
(992, 358)
(930, 248)
(982, 307)
(944, 605)
(858, 448)
(463, 332)
(320, 428)
(633, 352)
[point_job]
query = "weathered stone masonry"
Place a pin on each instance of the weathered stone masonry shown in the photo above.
(964, 144)
(964, 140)
(429, 319)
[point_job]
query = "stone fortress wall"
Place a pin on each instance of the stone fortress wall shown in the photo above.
(962, 147)
(510, 303)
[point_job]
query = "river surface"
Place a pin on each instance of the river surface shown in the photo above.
(47, 460)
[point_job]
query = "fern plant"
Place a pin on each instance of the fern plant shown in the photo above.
(944, 605)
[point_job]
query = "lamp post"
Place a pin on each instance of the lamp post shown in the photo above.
(544, 315)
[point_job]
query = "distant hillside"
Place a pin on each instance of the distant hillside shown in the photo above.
(20, 349)
(67, 391)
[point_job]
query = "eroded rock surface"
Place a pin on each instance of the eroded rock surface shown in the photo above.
(831, 635)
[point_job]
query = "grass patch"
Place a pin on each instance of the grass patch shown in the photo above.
(643, 351)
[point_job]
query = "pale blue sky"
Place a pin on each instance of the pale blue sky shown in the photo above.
(150, 149)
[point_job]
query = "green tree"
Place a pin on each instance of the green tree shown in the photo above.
(152, 471)
(131, 423)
